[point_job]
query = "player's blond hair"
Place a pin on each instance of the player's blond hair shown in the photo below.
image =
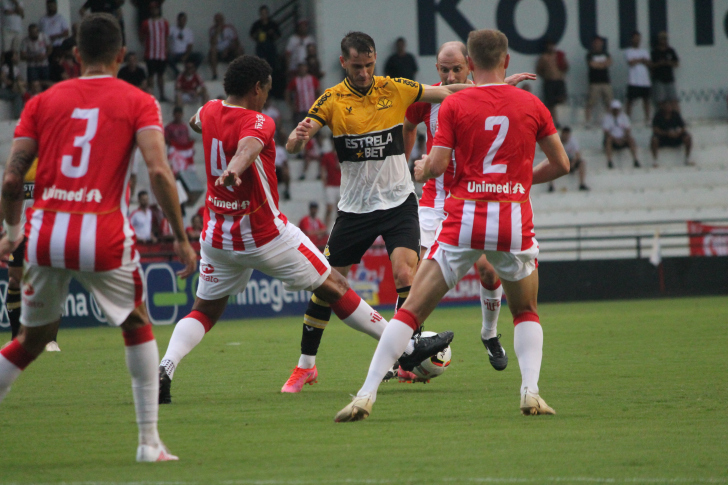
(487, 48)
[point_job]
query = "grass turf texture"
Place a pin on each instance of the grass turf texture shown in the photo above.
(639, 388)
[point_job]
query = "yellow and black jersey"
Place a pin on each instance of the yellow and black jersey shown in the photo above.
(29, 180)
(368, 137)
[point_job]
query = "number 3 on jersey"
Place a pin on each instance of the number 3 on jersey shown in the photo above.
(490, 123)
(84, 142)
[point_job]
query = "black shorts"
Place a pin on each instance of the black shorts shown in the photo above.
(620, 144)
(156, 66)
(18, 257)
(353, 234)
(634, 92)
(554, 92)
(666, 141)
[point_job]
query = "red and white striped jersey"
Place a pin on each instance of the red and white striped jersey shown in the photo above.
(85, 139)
(305, 90)
(246, 216)
(435, 190)
(493, 130)
(156, 32)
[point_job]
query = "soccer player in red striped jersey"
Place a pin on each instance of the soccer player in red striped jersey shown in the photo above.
(154, 33)
(78, 225)
(493, 129)
(243, 227)
(452, 67)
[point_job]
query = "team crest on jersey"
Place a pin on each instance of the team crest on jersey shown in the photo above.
(327, 253)
(384, 103)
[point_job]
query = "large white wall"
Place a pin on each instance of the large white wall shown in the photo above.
(702, 67)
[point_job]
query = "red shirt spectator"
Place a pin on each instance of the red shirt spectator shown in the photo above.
(302, 91)
(314, 228)
(330, 163)
(155, 32)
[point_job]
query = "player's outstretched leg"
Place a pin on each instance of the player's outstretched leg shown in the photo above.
(20, 352)
(491, 292)
(186, 335)
(527, 341)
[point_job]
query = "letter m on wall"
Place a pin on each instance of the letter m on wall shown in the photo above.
(427, 11)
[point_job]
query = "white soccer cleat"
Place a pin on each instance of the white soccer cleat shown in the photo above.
(52, 346)
(149, 453)
(358, 409)
(532, 404)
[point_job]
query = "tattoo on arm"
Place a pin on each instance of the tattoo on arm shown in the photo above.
(18, 165)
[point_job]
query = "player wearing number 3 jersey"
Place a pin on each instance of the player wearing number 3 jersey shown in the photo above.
(78, 226)
(493, 129)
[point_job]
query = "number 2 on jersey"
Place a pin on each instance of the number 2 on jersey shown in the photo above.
(490, 123)
(84, 142)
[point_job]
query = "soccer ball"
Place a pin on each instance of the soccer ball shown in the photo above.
(435, 365)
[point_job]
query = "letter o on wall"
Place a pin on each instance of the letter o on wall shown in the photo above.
(505, 19)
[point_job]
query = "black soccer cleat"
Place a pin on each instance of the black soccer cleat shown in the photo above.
(165, 385)
(496, 352)
(425, 347)
(391, 373)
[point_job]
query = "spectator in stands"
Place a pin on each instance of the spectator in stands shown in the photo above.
(571, 146)
(639, 83)
(70, 42)
(552, 67)
(313, 227)
(401, 63)
(144, 9)
(283, 173)
(141, 220)
(301, 93)
(13, 13)
(195, 229)
(180, 146)
(160, 225)
(296, 47)
(265, 33)
(154, 34)
(664, 61)
(112, 7)
(181, 43)
(133, 73)
(35, 51)
(668, 130)
(190, 88)
(331, 176)
(313, 62)
(224, 43)
(617, 133)
(54, 25)
(12, 85)
(70, 68)
(600, 86)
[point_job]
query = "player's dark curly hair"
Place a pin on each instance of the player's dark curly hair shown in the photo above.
(359, 41)
(244, 73)
(99, 38)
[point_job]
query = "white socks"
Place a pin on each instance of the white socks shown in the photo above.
(306, 361)
(528, 343)
(394, 340)
(187, 334)
(8, 373)
(490, 301)
(367, 320)
(141, 360)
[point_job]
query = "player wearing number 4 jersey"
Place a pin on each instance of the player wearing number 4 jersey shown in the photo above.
(493, 129)
(244, 229)
(78, 226)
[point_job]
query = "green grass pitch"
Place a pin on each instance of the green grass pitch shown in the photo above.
(640, 388)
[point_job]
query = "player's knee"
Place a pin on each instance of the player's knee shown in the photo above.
(403, 274)
(34, 339)
(333, 288)
(136, 319)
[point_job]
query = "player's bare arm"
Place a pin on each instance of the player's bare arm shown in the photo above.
(556, 163)
(21, 158)
(298, 138)
(436, 94)
(409, 131)
(193, 124)
(433, 165)
(161, 179)
(248, 150)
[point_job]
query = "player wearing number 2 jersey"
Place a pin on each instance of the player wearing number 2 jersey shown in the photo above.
(78, 226)
(493, 129)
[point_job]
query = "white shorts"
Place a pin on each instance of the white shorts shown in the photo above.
(332, 194)
(291, 257)
(45, 290)
(455, 261)
(430, 220)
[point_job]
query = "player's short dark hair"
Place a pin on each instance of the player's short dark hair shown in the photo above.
(142, 192)
(99, 38)
(359, 41)
(178, 109)
(244, 73)
(487, 47)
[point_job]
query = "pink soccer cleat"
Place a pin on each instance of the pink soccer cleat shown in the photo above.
(300, 377)
(410, 377)
(150, 453)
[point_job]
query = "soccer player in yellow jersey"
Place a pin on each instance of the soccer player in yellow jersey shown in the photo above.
(365, 113)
